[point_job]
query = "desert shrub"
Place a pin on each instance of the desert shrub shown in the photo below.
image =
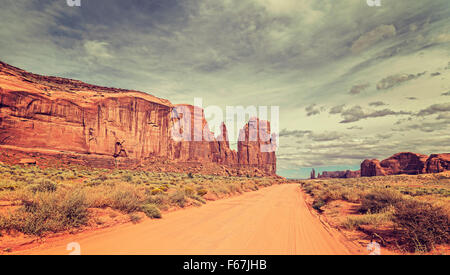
(48, 212)
(125, 200)
(317, 204)
(44, 185)
(156, 191)
(202, 191)
(422, 225)
(122, 196)
(198, 199)
(189, 191)
(159, 199)
(235, 188)
(351, 195)
(8, 185)
(330, 194)
(127, 178)
(151, 211)
(385, 216)
(379, 199)
(311, 187)
(134, 218)
(178, 198)
(164, 187)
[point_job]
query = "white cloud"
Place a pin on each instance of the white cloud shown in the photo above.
(97, 49)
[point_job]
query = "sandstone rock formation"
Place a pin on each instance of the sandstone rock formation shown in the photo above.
(313, 174)
(226, 155)
(107, 127)
(437, 163)
(256, 146)
(406, 163)
(372, 168)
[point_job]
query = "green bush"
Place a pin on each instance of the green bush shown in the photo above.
(151, 211)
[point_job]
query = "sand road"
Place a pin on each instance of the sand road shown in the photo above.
(273, 220)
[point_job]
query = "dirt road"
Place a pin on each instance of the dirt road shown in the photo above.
(273, 220)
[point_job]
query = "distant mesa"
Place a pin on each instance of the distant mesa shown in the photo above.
(339, 174)
(400, 163)
(406, 163)
(74, 123)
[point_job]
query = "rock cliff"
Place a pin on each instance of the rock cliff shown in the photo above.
(107, 127)
(256, 146)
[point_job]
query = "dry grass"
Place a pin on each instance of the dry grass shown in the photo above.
(415, 208)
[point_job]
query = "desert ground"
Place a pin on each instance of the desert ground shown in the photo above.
(42, 210)
(405, 214)
(273, 220)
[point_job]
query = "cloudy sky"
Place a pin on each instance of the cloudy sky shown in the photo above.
(351, 81)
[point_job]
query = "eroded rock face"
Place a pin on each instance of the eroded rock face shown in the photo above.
(372, 168)
(406, 163)
(225, 154)
(193, 139)
(256, 146)
(31, 120)
(438, 163)
(107, 127)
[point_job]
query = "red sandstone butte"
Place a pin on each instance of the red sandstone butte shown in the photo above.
(437, 163)
(256, 146)
(372, 168)
(406, 163)
(85, 124)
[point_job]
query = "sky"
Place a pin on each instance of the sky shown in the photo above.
(352, 82)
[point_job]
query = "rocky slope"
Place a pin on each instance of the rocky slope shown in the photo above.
(107, 127)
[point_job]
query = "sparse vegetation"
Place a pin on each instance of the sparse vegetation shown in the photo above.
(151, 211)
(36, 201)
(421, 225)
(379, 199)
(354, 222)
(48, 212)
(412, 211)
